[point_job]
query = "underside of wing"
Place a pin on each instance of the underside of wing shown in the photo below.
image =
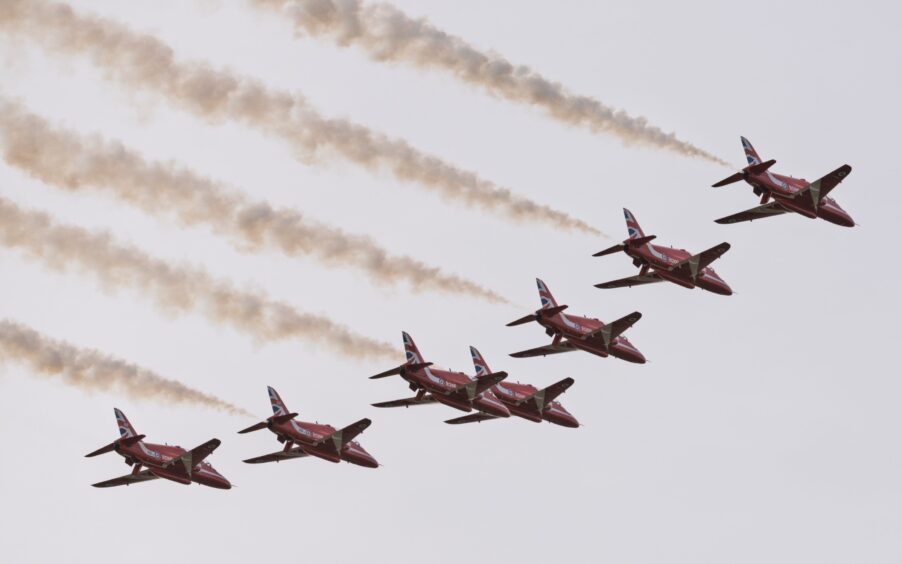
(406, 402)
(562, 347)
(767, 210)
(630, 281)
(819, 189)
(472, 418)
(290, 454)
(127, 480)
(694, 264)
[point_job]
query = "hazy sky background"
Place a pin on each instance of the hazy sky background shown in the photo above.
(764, 428)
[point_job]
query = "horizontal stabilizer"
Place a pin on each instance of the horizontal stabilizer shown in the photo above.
(102, 450)
(411, 366)
(279, 419)
(761, 167)
(641, 240)
(127, 480)
(630, 281)
(254, 427)
(729, 180)
(526, 319)
(406, 402)
(552, 311)
(610, 250)
(562, 347)
(488, 381)
(289, 454)
(472, 418)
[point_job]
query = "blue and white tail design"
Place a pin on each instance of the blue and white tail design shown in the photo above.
(125, 428)
(278, 406)
(479, 363)
(750, 154)
(632, 226)
(545, 295)
(410, 349)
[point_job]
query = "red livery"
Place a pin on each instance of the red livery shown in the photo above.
(454, 389)
(658, 263)
(311, 439)
(789, 194)
(161, 461)
(523, 400)
(572, 332)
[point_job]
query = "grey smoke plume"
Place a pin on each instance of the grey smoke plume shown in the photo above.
(174, 288)
(72, 162)
(142, 61)
(92, 370)
(388, 34)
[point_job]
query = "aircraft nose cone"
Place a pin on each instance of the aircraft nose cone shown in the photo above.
(564, 420)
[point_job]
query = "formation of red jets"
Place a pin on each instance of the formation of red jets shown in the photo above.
(486, 395)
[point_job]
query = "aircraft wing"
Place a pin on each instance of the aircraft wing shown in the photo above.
(694, 264)
(290, 454)
(767, 210)
(819, 189)
(562, 347)
(547, 395)
(406, 402)
(127, 480)
(343, 436)
(472, 418)
(630, 281)
(613, 329)
(473, 388)
(194, 456)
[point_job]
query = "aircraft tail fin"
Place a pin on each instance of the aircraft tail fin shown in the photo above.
(410, 349)
(632, 226)
(479, 363)
(751, 155)
(548, 301)
(278, 406)
(126, 430)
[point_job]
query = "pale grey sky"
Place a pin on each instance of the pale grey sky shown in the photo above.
(765, 427)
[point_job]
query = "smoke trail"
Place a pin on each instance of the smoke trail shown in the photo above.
(92, 370)
(180, 289)
(72, 162)
(388, 34)
(145, 62)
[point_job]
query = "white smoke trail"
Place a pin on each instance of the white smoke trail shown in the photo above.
(388, 34)
(142, 61)
(72, 162)
(177, 289)
(92, 370)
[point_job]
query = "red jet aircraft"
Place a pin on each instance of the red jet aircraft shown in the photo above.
(789, 194)
(523, 400)
(162, 461)
(454, 389)
(313, 439)
(666, 263)
(571, 332)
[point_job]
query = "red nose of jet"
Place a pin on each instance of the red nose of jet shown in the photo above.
(560, 416)
(361, 457)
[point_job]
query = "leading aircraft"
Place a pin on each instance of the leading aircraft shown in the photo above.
(658, 263)
(454, 389)
(572, 332)
(523, 400)
(789, 194)
(161, 461)
(312, 439)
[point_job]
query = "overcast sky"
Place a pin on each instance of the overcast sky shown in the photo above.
(764, 428)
